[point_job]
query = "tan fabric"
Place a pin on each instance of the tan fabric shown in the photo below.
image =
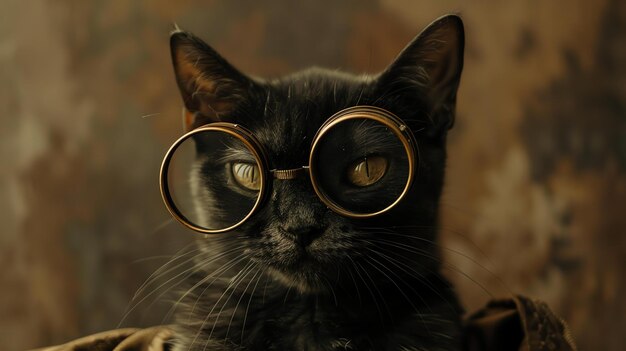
(516, 324)
(131, 339)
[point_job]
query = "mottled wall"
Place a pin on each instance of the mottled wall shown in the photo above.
(536, 186)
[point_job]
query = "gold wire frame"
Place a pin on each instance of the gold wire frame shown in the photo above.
(394, 123)
(234, 130)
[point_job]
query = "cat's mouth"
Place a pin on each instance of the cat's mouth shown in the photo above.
(301, 268)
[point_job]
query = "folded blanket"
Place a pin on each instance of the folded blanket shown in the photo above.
(515, 324)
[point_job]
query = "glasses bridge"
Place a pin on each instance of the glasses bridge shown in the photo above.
(286, 174)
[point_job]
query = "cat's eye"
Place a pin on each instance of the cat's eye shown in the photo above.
(197, 168)
(246, 175)
(367, 171)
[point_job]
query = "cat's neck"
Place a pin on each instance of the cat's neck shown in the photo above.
(290, 319)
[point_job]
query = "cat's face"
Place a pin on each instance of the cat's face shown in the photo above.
(293, 234)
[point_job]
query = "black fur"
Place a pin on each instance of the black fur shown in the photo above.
(297, 276)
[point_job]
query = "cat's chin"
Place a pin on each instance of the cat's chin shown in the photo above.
(305, 281)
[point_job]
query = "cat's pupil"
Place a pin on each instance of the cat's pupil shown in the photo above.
(246, 175)
(367, 171)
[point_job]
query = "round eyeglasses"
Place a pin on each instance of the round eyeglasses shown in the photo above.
(361, 164)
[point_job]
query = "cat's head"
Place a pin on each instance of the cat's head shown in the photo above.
(293, 234)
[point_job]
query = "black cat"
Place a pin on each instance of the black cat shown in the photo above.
(297, 275)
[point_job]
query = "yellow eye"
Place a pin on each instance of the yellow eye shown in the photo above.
(367, 171)
(246, 175)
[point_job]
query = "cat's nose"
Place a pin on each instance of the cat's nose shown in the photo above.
(303, 235)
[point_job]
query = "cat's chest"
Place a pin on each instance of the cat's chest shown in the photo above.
(294, 330)
(301, 323)
(304, 327)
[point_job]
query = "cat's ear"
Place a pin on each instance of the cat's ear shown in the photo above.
(432, 62)
(209, 85)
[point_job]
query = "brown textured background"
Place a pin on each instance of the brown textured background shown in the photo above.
(535, 201)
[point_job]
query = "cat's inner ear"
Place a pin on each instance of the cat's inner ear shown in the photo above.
(209, 85)
(434, 61)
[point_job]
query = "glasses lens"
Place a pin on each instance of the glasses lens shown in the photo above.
(360, 166)
(214, 180)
